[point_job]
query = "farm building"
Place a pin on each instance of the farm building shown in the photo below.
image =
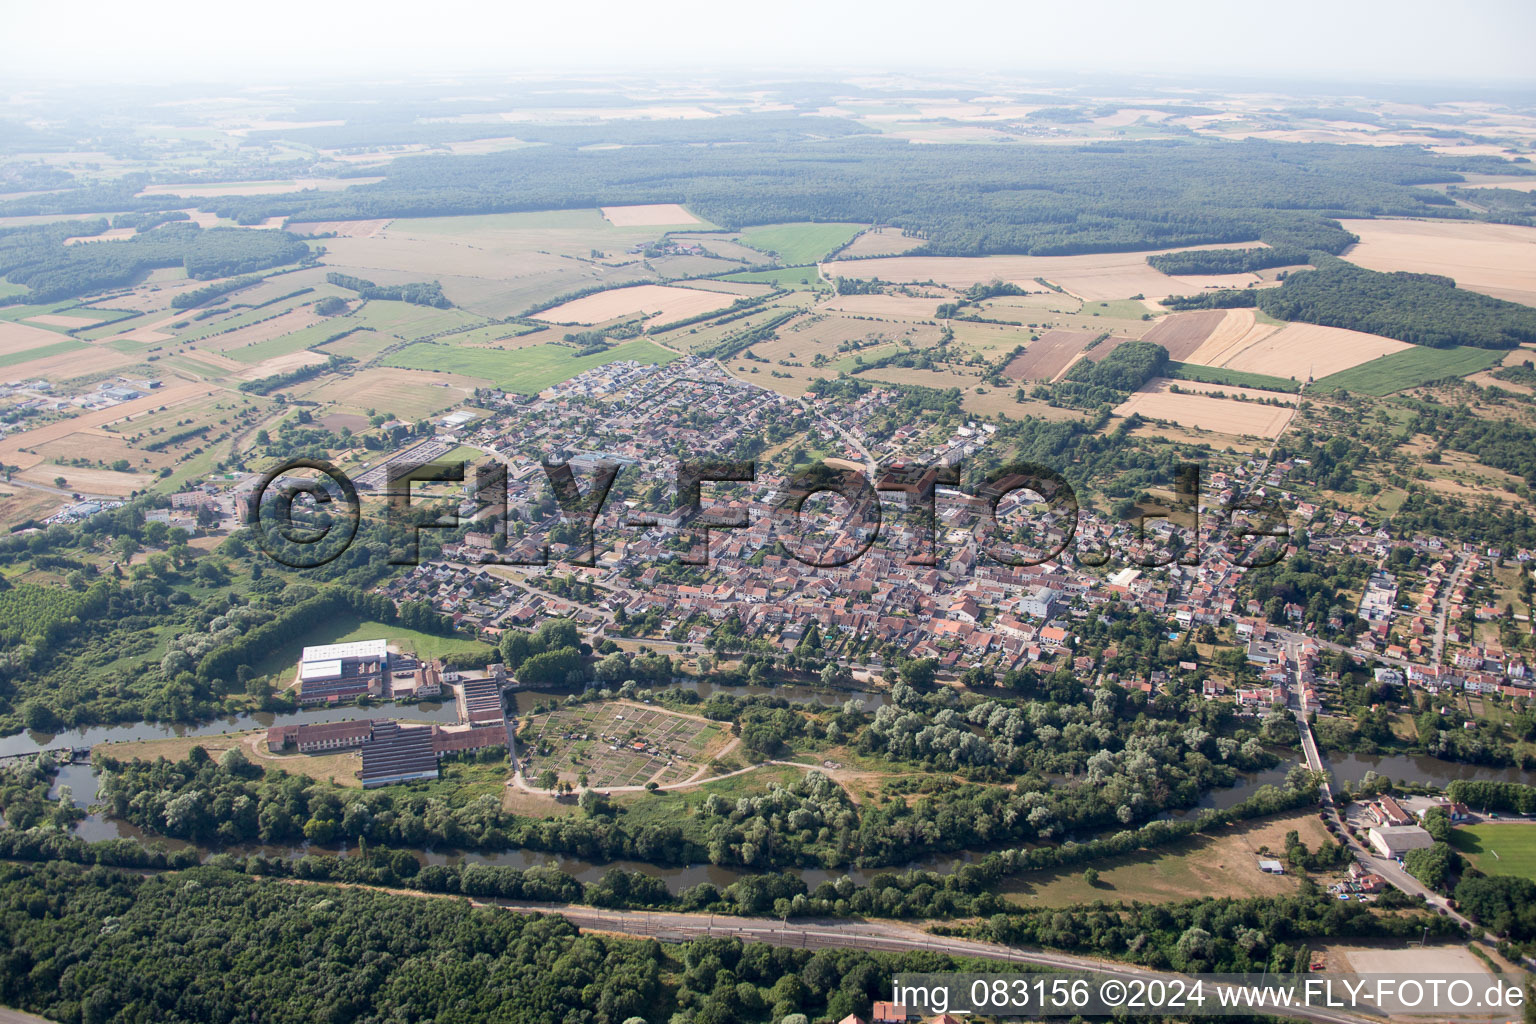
(1396, 840)
(398, 753)
(334, 672)
(1271, 867)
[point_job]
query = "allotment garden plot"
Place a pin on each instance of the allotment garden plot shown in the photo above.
(619, 744)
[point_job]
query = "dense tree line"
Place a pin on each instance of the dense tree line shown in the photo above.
(209, 292)
(1491, 795)
(1224, 298)
(1225, 261)
(267, 385)
(1504, 904)
(1272, 932)
(419, 293)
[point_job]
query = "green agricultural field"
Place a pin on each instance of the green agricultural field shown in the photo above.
(1120, 309)
(487, 335)
(1410, 368)
(1231, 378)
(305, 337)
(800, 278)
(799, 243)
(362, 344)
(525, 370)
(408, 321)
(1507, 849)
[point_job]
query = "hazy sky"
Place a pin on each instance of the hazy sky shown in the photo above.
(1488, 42)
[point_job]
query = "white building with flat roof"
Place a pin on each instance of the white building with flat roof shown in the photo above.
(351, 649)
(1396, 840)
(332, 672)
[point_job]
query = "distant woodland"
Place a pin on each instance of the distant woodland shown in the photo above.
(37, 256)
(964, 200)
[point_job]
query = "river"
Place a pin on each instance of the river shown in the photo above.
(1418, 768)
(82, 783)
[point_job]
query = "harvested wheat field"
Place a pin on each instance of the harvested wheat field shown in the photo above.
(76, 362)
(1303, 350)
(280, 364)
(881, 242)
(61, 320)
(903, 306)
(1208, 412)
(1046, 358)
(409, 394)
(97, 445)
(213, 189)
(15, 337)
(339, 228)
(648, 216)
(663, 301)
(87, 481)
(1495, 259)
(1236, 332)
(1098, 277)
(1183, 333)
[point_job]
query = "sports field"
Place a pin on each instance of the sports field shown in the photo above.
(526, 370)
(1494, 849)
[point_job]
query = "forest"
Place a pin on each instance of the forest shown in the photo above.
(38, 258)
(964, 200)
(1422, 309)
(94, 944)
(1109, 380)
